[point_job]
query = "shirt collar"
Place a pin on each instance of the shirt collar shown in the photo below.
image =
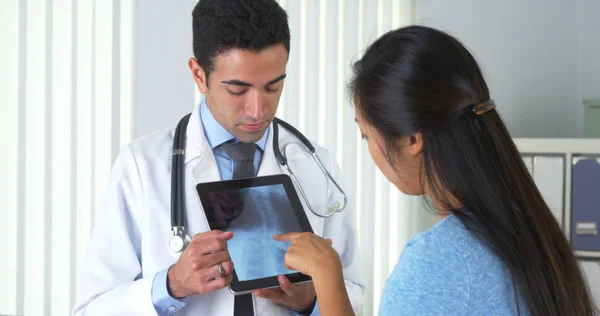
(217, 134)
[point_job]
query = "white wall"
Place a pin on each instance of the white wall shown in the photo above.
(588, 28)
(164, 89)
(528, 52)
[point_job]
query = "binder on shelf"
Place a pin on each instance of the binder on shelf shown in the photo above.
(585, 203)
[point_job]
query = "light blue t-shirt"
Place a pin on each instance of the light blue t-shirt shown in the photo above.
(446, 270)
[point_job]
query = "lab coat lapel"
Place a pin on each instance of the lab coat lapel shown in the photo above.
(200, 166)
(198, 154)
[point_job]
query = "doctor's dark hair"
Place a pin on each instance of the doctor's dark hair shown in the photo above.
(417, 79)
(220, 25)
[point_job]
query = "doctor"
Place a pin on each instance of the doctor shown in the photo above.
(241, 49)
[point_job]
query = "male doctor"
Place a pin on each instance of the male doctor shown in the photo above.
(241, 49)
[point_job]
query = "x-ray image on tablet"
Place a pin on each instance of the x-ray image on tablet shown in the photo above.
(254, 212)
(254, 215)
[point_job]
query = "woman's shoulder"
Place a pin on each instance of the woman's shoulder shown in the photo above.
(431, 277)
(450, 238)
(450, 245)
(444, 270)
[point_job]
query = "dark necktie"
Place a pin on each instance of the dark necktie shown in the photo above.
(243, 156)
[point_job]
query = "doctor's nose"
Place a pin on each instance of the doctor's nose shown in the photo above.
(254, 106)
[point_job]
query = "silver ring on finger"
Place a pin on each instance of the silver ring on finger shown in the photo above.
(221, 269)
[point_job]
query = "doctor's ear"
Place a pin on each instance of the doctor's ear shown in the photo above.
(198, 74)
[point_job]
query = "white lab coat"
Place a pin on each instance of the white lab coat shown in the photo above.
(128, 245)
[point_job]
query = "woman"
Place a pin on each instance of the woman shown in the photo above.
(424, 109)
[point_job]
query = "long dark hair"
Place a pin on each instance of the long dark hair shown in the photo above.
(417, 79)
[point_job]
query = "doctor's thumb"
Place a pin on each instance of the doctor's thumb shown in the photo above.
(227, 235)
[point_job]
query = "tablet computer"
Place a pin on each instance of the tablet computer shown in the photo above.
(255, 209)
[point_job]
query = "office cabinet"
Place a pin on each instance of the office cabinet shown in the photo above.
(549, 177)
(585, 203)
(591, 269)
(528, 160)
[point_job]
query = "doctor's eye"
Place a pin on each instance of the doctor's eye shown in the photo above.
(272, 90)
(363, 137)
(236, 93)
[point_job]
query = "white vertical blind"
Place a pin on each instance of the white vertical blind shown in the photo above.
(327, 37)
(65, 80)
(83, 131)
(59, 111)
(36, 127)
(9, 187)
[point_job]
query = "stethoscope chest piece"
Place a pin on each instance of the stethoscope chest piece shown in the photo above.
(178, 241)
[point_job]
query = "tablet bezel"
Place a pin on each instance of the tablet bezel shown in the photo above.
(203, 189)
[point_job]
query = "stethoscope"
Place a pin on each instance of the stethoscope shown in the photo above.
(179, 240)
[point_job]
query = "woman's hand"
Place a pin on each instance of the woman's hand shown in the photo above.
(314, 256)
(310, 254)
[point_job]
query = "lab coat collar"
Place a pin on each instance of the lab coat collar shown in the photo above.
(195, 140)
(197, 146)
(269, 164)
(215, 133)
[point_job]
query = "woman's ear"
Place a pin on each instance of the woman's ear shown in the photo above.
(415, 145)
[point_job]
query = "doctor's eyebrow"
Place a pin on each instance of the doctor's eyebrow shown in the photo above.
(236, 82)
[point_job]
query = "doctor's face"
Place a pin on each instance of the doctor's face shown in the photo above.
(243, 89)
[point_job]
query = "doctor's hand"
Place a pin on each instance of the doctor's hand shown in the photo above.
(197, 271)
(299, 297)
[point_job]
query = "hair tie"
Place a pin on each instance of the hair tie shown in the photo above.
(486, 106)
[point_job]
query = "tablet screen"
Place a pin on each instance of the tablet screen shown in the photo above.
(254, 215)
